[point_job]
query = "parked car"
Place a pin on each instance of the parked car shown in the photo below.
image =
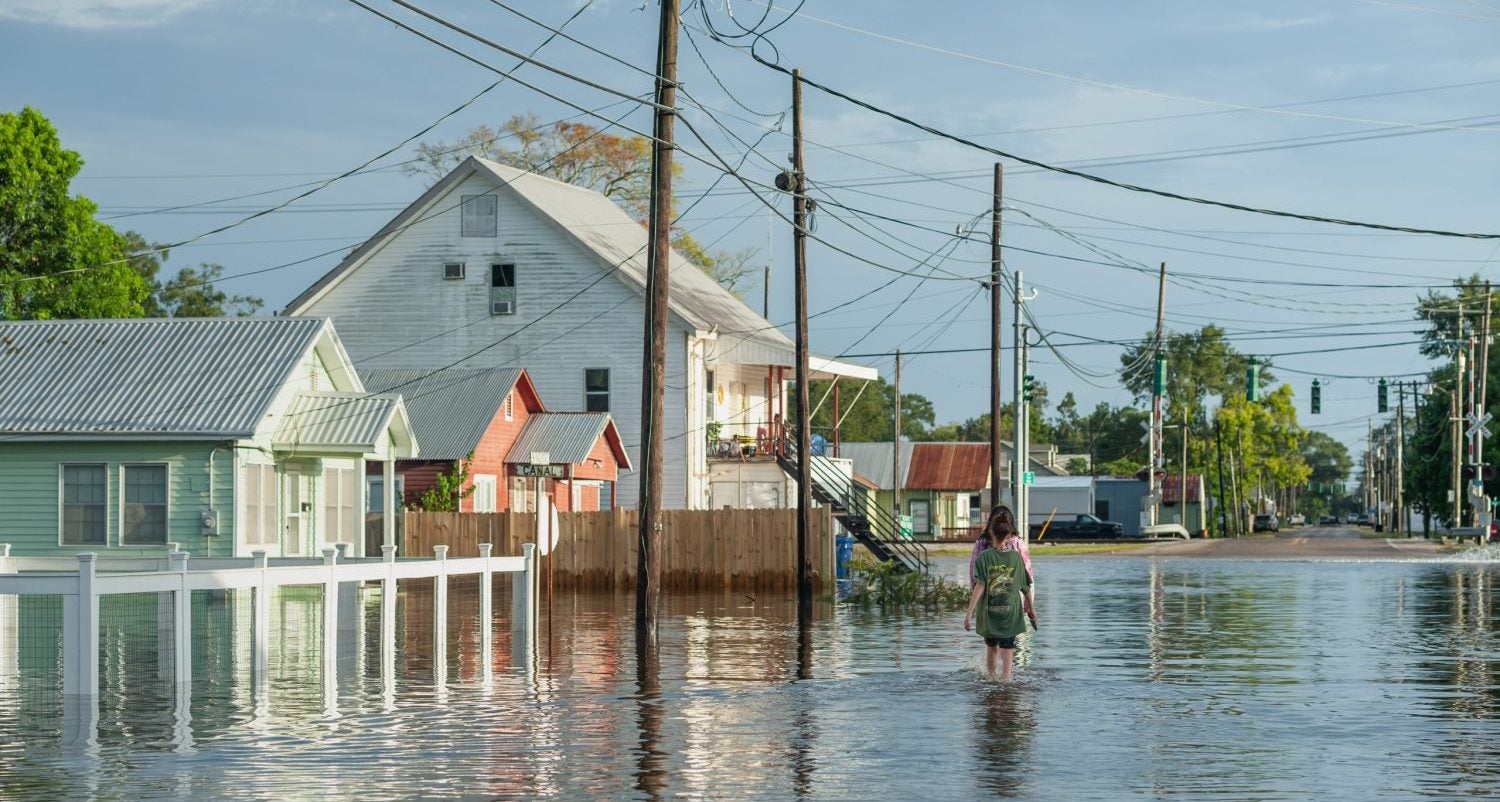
(1080, 526)
(1328, 520)
(1363, 520)
(1296, 520)
(1266, 523)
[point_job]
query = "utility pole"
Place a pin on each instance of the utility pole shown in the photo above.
(1182, 482)
(765, 284)
(1369, 465)
(1020, 461)
(653, 391)
(1223, 505)
(804, 408)
(1154, 446)
(1456, 423)
(1482, 508)
(996, 291)
(1400, 478)
(896, 450)
(1023, 513)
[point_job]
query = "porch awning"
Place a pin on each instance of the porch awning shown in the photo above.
(352, 423)
(762, 352)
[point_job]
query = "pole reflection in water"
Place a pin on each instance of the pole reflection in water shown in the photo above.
(650, 775)
(1006, 722)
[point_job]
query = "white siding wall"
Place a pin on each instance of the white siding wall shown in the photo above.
(399, 297)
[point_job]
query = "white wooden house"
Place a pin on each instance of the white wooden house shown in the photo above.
(497, 267)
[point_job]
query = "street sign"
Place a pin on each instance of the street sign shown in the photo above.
(1477, 424)
(540, 458)
(545, 471)
(1028, 477)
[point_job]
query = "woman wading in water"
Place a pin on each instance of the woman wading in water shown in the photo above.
(1002, 594)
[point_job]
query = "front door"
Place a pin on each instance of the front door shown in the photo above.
(296, 535)
(921, 517)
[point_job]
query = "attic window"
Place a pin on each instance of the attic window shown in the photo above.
(453, 271)
(479, 214)
(510, 406)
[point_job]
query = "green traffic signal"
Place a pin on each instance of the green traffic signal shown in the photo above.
(1317, 397)
(1028, 383)
(1381, 403)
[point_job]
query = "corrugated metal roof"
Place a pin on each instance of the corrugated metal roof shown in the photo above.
(336, 421)
(949, 466)
(157, 376)
(873, 461)
(1170, 487)
(567, 437)
(449, 409)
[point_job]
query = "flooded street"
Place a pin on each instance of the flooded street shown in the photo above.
(1150, 678)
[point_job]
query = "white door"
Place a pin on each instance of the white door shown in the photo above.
(296, 537)
(921, 518)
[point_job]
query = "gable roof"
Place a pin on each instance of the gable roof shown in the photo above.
(451, 409)
(567, 437)
(873, 461)
(355, 422)
(949, 466)
(174, 377)
(621, 243)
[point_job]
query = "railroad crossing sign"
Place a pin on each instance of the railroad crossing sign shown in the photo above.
(1477, 424)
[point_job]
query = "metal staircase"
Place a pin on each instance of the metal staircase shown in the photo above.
(857, 508)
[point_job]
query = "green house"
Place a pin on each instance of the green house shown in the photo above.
(223, 436)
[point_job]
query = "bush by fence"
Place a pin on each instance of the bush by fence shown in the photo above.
(702, 549)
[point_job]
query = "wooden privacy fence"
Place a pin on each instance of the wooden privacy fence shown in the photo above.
(702, 549)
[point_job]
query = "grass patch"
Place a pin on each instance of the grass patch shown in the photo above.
(883, 585)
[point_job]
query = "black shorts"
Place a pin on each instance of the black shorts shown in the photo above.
(1003, 643)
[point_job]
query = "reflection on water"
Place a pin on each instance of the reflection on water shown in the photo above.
(1181, 679)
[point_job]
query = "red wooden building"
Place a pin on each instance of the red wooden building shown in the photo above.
(493, 421)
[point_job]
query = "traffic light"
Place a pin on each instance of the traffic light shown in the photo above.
(1317, 397)
(1381, 404)
(1028, 383)
(1252, 381)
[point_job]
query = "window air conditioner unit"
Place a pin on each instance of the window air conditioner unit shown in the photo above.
(453, 271)
(502, 308)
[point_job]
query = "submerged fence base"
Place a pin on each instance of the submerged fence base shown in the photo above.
(174, 582)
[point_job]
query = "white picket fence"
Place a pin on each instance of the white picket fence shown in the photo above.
(82, 581)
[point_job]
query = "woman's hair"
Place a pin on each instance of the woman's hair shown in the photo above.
(1002, 524)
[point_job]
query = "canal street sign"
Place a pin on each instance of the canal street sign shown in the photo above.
(546, 471)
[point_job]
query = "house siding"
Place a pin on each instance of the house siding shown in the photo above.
(398, 297)
(29, 488)
(489, 455)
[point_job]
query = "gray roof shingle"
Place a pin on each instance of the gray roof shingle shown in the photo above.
(323, 421)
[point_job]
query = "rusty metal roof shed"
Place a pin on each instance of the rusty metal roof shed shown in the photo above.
(954, 467)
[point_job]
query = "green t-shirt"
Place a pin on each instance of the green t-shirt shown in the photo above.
(1001, 612)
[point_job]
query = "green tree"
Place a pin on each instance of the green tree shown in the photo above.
(449, 488)
(56, 260)
(615, 165)
(872, 417)
(191, 293)
(1440, 312)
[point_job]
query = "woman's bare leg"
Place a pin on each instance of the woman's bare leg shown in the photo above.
(1007, 657)
(991, 654)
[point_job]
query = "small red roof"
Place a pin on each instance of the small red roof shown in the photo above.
(1171, 489)
(949, 466)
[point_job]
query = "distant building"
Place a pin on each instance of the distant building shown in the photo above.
(224, 436)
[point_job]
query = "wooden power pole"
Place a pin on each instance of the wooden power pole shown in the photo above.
(896, 452)
(996, 291)
(653, 391)
(804, 408)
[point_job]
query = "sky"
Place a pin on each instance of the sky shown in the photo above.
(1356, 109)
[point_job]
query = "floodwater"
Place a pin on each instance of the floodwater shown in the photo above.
(1161, 679)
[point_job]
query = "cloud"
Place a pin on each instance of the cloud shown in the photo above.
(97, 14)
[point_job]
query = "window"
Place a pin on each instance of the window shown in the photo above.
(375, 493)
(510, 406)
(484, 493)
(453, 271)
(502, 289)
(596, 389)
(145, 512)
(85, 505)
(479, 216)
(340, 507)
(258, 484)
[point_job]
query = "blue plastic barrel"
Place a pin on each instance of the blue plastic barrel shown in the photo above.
(843, 552)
